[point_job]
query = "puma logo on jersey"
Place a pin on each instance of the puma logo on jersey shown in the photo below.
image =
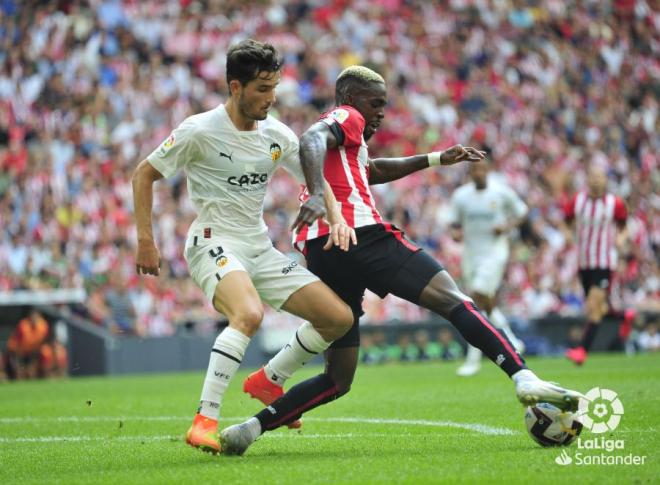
(222, 154)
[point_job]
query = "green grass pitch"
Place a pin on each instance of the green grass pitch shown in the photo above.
(403, 423)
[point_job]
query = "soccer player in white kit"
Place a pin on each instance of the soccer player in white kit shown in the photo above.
(229, 155)
(483, 213)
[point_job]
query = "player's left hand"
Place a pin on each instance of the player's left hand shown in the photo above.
(310, 210)
(459, 153)
(341, 234)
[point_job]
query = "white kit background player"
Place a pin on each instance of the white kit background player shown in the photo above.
(483, 213)
(229, 155)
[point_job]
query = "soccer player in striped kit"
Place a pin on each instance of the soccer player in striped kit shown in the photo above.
(600, 226)
(383, 261)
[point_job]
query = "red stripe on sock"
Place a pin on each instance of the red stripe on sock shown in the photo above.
(474, 311)
(305, 406)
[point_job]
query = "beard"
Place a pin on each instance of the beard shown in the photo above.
(249, 111)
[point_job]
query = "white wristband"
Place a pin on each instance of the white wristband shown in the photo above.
(434, 158)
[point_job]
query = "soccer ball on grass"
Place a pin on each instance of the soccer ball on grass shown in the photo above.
(550, 426)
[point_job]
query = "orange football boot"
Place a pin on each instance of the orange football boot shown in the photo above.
(258, 386)
(203, 434)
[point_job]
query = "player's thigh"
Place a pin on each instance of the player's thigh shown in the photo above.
(283, 283)
(442, 295)
(236, 297)
(485, 276)
(420, 279)
(224, 279)
(277, 277)
(316, 301)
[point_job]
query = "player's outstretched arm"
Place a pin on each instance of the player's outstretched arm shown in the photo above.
(383, 170)
(147, 260)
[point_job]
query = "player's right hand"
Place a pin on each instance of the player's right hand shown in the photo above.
(310, 210)
(341, 234)
(147, 260)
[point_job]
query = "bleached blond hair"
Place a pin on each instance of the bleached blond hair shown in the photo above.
(362, 73)
(352, 77)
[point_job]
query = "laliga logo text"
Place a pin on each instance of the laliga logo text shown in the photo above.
(600, 411)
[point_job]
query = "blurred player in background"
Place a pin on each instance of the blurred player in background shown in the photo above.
(24, 344)
(483, 213)
(599, 220)
(383, 262)
(229, 155)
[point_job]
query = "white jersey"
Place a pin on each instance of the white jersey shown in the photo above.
(228, 171)
(479, 211)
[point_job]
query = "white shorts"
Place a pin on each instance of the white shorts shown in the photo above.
(484, 275)
(275, 276)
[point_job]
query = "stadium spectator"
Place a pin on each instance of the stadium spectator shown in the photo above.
(53, 358)
(91, 86)
(371, 352)
(451, 349)
(122, 318)
(649, 339)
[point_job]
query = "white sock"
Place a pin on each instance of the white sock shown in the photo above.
(473, 355)
(226, 357)
(254, 426)
(524, 375)
(305, 344)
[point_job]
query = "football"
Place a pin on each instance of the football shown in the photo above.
(550, 426)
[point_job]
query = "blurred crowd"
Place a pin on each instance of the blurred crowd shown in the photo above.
(421, 345)
(89, 88)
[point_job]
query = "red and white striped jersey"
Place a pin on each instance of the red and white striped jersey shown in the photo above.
(346, 169)
(595, 221)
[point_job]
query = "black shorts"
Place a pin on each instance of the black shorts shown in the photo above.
(600, 277)
(383, 261)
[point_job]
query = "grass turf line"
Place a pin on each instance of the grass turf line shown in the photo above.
(116, 445)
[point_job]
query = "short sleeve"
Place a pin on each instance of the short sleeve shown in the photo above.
(178, 150)
(620, 211)
(514, 204)
(291, 160)
(346, 123)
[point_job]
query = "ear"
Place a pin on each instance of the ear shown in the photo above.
(235, 87)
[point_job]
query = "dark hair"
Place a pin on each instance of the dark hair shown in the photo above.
(248, 58)
(346, 85)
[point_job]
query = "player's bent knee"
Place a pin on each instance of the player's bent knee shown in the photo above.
(343, 383)
(247, 321)
(345, 318)
(338, 321)
(343, 390)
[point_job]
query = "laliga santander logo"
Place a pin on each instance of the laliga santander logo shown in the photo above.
(600, 410)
